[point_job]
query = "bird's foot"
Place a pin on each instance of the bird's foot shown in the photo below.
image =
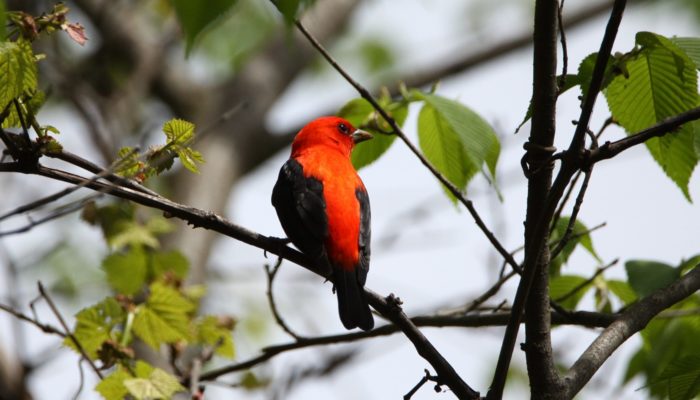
(393, 301)
(280, 241)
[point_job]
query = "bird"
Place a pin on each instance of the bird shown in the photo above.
(324, 210)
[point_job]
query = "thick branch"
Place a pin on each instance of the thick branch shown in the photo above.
(535, 274)
(630, 322)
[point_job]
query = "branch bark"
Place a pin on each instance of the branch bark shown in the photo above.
(535, 273)
(630, 322)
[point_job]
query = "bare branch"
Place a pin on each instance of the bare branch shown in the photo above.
(579, 318)
(68, 333)
(634, 319)
(271, 272)
(611, 149)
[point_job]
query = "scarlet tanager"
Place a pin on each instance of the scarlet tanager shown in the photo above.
(323, 207)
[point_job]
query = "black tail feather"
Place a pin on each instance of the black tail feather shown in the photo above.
(352, 304)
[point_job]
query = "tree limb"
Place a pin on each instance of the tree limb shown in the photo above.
(633, 320)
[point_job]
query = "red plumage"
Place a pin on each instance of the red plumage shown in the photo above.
(324, 209)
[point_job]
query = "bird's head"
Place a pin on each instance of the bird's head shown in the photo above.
(331, 133)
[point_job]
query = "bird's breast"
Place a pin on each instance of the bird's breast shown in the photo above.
(340, 183)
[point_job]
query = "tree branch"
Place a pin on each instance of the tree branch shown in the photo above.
(535, 274)
(611, 149)
(579, 318)
(633, 320)
(198, 218)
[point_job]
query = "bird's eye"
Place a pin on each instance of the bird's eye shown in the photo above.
(343, 128)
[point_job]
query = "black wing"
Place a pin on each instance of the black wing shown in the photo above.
(302, 210)
(365, 235)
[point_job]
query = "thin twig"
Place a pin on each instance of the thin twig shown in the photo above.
(587, 282)
(577, 318)
(68, 333)
(34, 321)
(564, 51)
(574, 215)
(611, 149)
(427, 377)
(399, 132)
(60, 212)
(271, 272)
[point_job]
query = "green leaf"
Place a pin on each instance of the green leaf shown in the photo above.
(158, 385)
(178, 131)
(127, 271)
(213, 333)
(691, 47)
(195, 17)
(456, 140)
(95, 324)
(563, 285)
(360, 113)
(112, 387)
(661, 83)
(18, 72)
(622, 290)
(128, 163)
(683, 377)
(479, 141)
(443, 149)
(171, 261)
(189, 158)
(645, 277)
(164, 318)
(688, 264)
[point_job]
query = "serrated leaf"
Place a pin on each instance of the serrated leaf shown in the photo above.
(622, 290)
(360, 112)
(196, 17)
(18, 72)
(128, 163)
(189, 158)
(210, 332)
(683, 377)
(443, 149)
(564, 285)
(645, 277)
(126, 271)
(178, 131)
(691, 47)
(170, 261)
(478, 139)
(164, 317)
(661, 82)
(94, 326)
(112, 386)
(158, 385)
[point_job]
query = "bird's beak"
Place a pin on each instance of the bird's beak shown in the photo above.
(360, 136)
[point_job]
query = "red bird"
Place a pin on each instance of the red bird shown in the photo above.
(324, 210)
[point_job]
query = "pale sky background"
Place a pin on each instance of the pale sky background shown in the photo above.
(440, 259)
